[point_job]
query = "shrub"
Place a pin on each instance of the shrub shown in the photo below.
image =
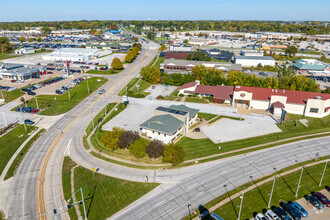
(116, 64)
(138, 148)
(155, 149)
(160, 97)
(127, 138)
(173, 153)
(181, 95)
(197, 129)
(110, 138)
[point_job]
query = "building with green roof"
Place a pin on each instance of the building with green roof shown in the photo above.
(311, 65)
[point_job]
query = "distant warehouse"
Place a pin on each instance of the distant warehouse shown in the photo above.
(75, 54)
(253, 61)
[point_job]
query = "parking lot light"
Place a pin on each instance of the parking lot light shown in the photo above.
(240, 207)
(298, 186)
(271, 193)
(325, 167)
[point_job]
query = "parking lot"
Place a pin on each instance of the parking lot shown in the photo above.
(157, 90)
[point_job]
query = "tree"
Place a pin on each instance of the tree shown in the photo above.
(173, 153)
(127, 138)
(46, 30)
(138, 148)
(22, 39)
(155, 149)
(151, 35)
(189, 57)
(129, 57)
(291, 50)
(39, 39)
(110, 138)
(5, 45)
(116, 64)
(139, 46)
(151, 74)
(323, 57)
(30, 40)
(185, 41)
(162, 47)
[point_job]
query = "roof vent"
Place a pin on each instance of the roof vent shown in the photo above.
(238, 87)
(275, 90)
(272, 90)
(318, 97)
(283, 91)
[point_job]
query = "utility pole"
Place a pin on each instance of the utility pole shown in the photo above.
(2, 95)
(271, 193)
(325, 167)
(240, 207)
(25, 101)
(5, 118)
(23, 119)
(37, 102)
(302, 169)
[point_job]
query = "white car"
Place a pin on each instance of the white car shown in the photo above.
(270, 215)
(259, 216)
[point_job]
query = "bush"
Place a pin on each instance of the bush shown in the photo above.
(181, 95)
(155, 149)
(160, 97)
(173, 153)
(127, 138)
(138, 148)
(110, 138)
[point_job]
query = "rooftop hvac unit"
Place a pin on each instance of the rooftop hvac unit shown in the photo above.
(318, 97)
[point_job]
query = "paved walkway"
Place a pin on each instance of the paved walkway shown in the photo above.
(213, 208)
(4, 172)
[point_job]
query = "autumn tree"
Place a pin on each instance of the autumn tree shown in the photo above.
(150, 74)
(39, 39)
(162, 47)
(173, 153)
(127, 138)
(22, 39)
(110, 138)
(155, 149)
(138, 148)
(291, 50)
(5, 45)
(116, 64)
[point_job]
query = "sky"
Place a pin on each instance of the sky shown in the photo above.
(59, 10)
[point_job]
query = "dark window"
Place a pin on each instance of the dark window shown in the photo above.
(314, 110)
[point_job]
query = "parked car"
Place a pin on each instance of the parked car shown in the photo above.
(20, 81)
(31, 93)
(322, 198)
(314, 201)
(327, 188)
(259, 216)
(270, 215)
(300, 209)
(28, 122)
(281, 213)
(292, 211)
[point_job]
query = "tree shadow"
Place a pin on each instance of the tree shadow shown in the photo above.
(91, 197)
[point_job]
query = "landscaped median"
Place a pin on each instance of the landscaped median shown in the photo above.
(131, 88)
(59, 104)
(257, 192)
(101, 191)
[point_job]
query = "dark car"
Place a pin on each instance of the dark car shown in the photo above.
(314, 201)
(322, 198)
(327, 188)
(292, 211)
(31, 93)
(28, 122)
(281, 213)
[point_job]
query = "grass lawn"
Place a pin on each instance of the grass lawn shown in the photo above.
(104, 196)
(310, 52)
(153, 60)
(12, 95)
(128, 86)
(285, 188)
(141, 94)
(196, 100)
(206, 116)
(159, 61)
(104, 72)
(7, 56)
(66, 184)
(51, 106)
(14, 166)
(196, 148)
(11, 141)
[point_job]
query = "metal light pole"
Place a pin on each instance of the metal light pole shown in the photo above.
(69, 94)
(23, 119)
(302, 169)
(240, 207)
(25, 101)
(93, 119)
(37, 102)
(189, 211)
(87, 87)
(325, 167)
(271, 193)
(5, 118)
(2, 95)
(82, 198)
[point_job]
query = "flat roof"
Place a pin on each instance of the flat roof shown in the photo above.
(254, 58)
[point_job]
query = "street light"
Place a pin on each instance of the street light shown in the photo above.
(37, 102)
(240, 207)
(189, 205)
(325, 167)
(271, 193)
(302, 169)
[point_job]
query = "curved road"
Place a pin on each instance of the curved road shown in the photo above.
(22, 199)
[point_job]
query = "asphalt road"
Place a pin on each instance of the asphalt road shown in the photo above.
(22, 200)
(209, 183)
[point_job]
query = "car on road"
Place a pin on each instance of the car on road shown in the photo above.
(314, 201)
(281, 213)
(101, 91)
(28, 122)
(259, 216)
(300, 209)
(322, 198)
(270, 215)
(292, 211)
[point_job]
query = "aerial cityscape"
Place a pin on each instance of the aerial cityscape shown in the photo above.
(177, 110)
